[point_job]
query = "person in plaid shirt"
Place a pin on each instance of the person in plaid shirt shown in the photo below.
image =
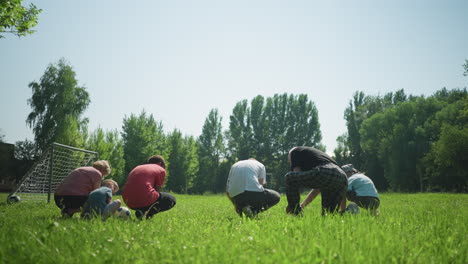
(312, 168)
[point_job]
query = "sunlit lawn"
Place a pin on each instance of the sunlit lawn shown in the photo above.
(412, 228)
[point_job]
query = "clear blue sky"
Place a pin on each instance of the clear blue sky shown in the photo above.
(180, 59)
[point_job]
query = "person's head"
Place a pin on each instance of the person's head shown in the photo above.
(111, 184)
(157, 159)
(102, 166)
(349, 169)
(297, 158)
(289, 154)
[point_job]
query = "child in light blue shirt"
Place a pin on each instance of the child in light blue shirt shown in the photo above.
(100, 202)
(361, 189)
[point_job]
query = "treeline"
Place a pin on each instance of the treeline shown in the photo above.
(265, 129)
(409, 143)
(403, 142)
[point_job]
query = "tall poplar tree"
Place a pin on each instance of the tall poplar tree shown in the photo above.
(183, 162)
(210, 149)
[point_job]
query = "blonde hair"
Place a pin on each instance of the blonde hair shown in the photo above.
(102, 166)
(114, 184)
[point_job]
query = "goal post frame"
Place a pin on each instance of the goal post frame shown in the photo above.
(49, 170)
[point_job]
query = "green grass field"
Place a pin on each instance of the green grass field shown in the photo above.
(411, 228)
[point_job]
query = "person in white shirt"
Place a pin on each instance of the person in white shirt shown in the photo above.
(245, 188)
(361, 189)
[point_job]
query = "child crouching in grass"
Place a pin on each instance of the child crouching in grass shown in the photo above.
(100, 202)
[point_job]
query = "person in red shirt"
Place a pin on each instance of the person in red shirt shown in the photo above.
(71, 194)
(142, 191)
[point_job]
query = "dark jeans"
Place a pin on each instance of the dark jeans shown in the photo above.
(66, 202)
(259, 201)
(329, 178)
(165, 202)
(367, 202)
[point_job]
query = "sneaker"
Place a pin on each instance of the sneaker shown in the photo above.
(297, 212)
(139, 214)
(248, 212)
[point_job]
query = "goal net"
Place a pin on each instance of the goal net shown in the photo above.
(39, 183)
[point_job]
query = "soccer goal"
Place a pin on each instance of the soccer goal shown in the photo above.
(46, 174)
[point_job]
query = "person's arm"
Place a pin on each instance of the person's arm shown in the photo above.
(228, 194)
(159, 180)
(233, 203)
(298, 172)
(96, 181)
(343, 205)
(310, 197)
(261, 181)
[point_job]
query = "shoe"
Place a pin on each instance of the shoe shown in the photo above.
(139, 214)
(297, 212)
(248, 212)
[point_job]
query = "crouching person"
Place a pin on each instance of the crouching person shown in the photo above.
(142, 191)
(361, 190)
(245, 188)
(312, 168)
(72, 193)
(100, 202)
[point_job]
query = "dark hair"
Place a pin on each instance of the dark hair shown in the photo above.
(157, 159)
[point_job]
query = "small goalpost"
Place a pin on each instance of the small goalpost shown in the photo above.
(39, 183)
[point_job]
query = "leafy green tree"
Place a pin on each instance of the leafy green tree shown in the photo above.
(276, 114)
(191, 165)
(175, 178)
(17, 19)
(268, 129)
(448, 159)
(394, 136)
(397, 139)
(210, 151)
(110, 147)
(58, 104)
(304, 126)
(2, 136)
(260, 141)
(342, 152)
(183, 162)
(354, 116)
(240, 131)
(293, 121)
(402, 136)
(26, 150)
(142, 137)
(446, 163)
(360, 109)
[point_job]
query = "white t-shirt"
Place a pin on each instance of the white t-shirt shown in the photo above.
(244, 176)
